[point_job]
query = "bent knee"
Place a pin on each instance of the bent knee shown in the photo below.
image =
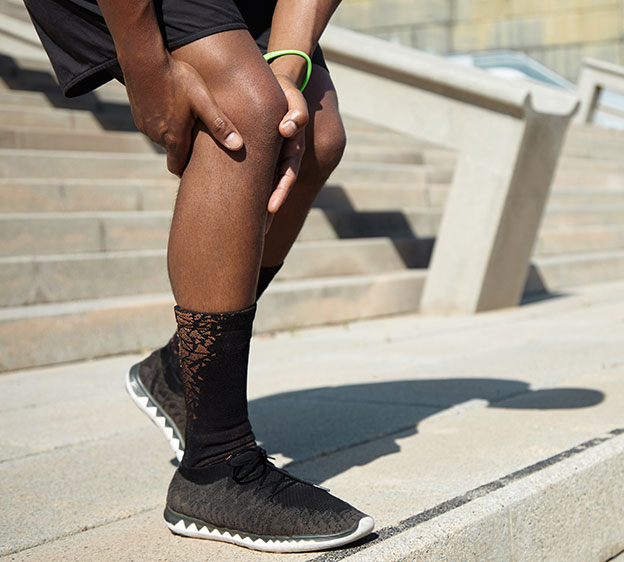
(328, 145)
(260, 112)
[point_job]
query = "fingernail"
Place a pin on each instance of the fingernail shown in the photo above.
(290, 128)
(233, 140)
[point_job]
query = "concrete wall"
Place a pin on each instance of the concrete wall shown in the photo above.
(558, 33)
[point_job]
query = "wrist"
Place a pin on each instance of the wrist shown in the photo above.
(292, 66)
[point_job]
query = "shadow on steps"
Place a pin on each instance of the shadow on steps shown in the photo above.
(308, 424)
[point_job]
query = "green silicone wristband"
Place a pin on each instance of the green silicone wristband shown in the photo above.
(274, 54)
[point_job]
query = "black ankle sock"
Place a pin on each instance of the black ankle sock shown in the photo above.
(170, 350)
(214, 353)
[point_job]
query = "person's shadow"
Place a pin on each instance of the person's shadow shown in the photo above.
(308, 424)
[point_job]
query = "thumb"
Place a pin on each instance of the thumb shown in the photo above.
(217, 122)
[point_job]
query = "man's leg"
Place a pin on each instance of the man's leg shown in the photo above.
(225, 487)
(325, 142)
(216, 242)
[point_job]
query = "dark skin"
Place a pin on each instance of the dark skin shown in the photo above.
(168, 114)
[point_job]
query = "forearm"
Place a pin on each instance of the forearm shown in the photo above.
(298, 24)
(135, 32)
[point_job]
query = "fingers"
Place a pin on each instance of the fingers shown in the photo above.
(178, 153)
(297, 116)
(288, 168)
(217, 122)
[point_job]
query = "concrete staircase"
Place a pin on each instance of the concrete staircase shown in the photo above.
(85, 205)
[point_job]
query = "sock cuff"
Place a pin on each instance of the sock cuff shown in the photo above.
(221, 321)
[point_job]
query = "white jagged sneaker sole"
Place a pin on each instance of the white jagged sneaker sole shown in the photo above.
(144, 400)
(189, 527)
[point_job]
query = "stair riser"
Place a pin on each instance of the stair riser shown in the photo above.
(568, 242)
(569, 162)
(45, 281)
(25, 164)
(605, 153)
(44, 164)
(588, 198)
(79, 235)
(66, 120)
(389, 154)
(45, 340)
(135, 142)
(367, 198)
(413, 175)
(21, 196)
(596, 178)
(45, 236)
(553, 277)
(60, 140)
(571, 220)
(34, 198)
(38, 235)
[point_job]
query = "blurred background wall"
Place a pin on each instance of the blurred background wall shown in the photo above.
(558, 33)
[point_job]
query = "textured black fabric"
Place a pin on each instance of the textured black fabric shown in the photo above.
(81, 49)
(248, 493)
(265, 277)
(165, 387)
(214, 353)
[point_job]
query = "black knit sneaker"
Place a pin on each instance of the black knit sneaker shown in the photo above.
(246, 500)
(157, 391)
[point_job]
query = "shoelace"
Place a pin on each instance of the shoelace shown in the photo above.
(254, 464)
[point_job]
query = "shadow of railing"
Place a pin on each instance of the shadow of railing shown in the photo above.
(110, 115)
(414, 249)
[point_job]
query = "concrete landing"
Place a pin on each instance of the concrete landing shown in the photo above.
(488, 438)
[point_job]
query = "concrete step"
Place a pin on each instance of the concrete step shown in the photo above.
(598, 178)
(572, 162)
(388, 173)
(57, 333)
(575, 199)
(597, 152)
(563, 215)
(552, 273)
(110, 96)
(571, 196)
(412, 419)
(109, 141)
(89, 141)
(54, 233)
(580, 239)
(15, 10)
(61, 119)
(34, 195)
(27, 234)
(20, 163)
(52, 195)
(59, 278)
(378, 197)
(37, 234)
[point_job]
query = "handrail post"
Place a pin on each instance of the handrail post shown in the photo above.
(596, 76)
(508, 137)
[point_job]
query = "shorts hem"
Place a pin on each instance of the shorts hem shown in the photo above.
(76, 80)
(67, 88)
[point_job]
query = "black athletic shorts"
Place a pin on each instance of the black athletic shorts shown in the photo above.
(82, 52)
